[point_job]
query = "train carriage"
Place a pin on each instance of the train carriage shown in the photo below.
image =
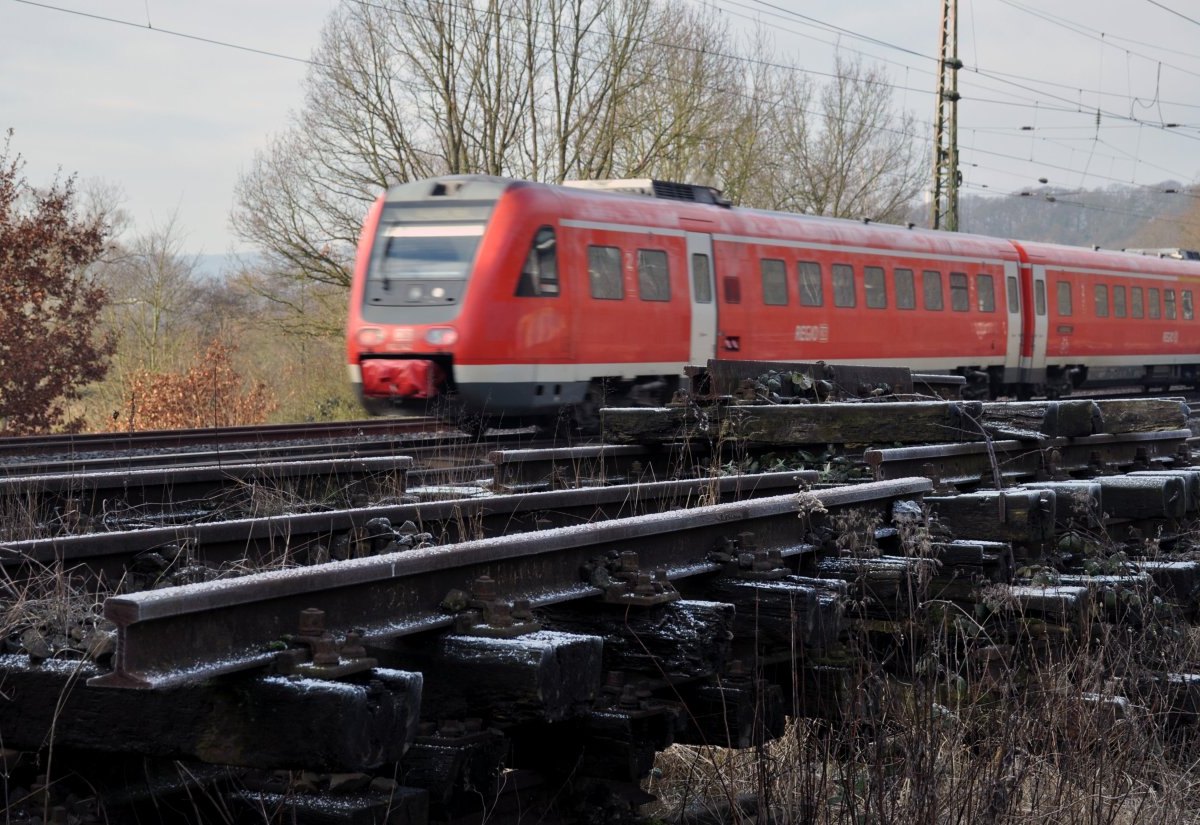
(1105, 318)
(503, 299)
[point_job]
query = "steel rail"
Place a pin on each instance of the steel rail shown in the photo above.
(151, 439)
(180, 484)
(433, 449)
(118, 462)
(568, 466)
(291, 536)
(179, 635)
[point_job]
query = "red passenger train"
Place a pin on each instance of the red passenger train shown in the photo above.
(505, 299)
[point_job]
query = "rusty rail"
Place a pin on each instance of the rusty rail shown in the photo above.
(176, 439)
(258, 539)
(180, 635)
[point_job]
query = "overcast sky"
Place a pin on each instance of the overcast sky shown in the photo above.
(173, 121)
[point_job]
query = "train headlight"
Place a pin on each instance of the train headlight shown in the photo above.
(441, 336)
(370, 336)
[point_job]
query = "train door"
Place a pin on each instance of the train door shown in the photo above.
(1040, 326)
(704, 307)
(1012, 352)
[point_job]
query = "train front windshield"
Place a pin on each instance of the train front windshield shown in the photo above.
(442, 252)
(419, 267)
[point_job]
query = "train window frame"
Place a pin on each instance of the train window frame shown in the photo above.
(1062, 299)
(702, 278)
(1136, 302)
(905, 284)
(985, 292)
(1153, 303)
(1039, 298)
(960, 292)
(1014, 293)
(774, 282)
(654, 275)
(1186, 305)
(539, 273)
(875, 287)
(1169, 304)
(844, 289)
(1100, 299)
(805, 283)
(932, 297)
(603, 283)
(1118, 301)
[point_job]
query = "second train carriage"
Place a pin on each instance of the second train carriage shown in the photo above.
(514, 300)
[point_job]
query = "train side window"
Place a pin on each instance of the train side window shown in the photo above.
(1153, 308)
(843, 285)
(960, 300)
(811, 294)
(733, 289)
(539, 275)
(1064, 297)
(774, 282)
(1119, 301)
(931, 288)
(1188, 312)
(1039, 297)
(1135, 302)
(1014, 294)
(1101, 293)
(654, 283)
(875, 287)
(1169, 304)
(985, 293)
(906, 293)
(701, 278)
(604, 273)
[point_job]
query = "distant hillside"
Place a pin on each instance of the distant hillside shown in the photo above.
(1113, 217)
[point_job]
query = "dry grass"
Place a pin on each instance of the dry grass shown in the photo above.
(1045, 740)
(975, 713)
(47, 612)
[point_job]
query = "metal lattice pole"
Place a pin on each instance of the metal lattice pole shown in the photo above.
(946, 176)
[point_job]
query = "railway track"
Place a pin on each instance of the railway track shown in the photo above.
(527, 653)
(442, 446)
(163, 440)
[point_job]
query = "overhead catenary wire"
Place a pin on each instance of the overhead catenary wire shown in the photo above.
(781, 66)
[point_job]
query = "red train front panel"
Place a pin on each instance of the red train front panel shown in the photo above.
(533, 307)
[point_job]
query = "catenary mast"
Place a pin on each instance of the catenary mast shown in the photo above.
(946, 176)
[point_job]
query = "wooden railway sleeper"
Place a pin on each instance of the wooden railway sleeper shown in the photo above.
(738, 710)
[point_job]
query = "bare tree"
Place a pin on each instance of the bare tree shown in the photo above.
(539, 89)
(549, 90)
(843, 151)
(153, 289)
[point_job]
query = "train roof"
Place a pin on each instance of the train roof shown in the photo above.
(1107, 259)
(629, 201)
(462, 187)
(642, 202)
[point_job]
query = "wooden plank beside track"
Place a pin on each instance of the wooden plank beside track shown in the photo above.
(1035, 419)
(906, 422)
(1141, 415)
